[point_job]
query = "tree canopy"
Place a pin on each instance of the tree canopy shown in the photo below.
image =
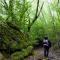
(23, 21)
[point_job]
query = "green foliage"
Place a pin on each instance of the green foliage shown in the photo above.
(20, 55)
(15, 18)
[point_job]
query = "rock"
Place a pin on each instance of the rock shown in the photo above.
(1, 56)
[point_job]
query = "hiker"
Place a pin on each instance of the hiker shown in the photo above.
(46, 45)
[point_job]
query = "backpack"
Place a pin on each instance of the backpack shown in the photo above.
(49, 44)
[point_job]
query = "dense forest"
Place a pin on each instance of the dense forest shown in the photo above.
(23, 25)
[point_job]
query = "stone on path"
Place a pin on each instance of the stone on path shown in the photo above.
(1, 56)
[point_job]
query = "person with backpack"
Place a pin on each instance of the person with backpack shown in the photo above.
(46, 45)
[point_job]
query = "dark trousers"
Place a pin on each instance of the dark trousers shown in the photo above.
(46, 52)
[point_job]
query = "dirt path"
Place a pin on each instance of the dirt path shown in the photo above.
(39, 55)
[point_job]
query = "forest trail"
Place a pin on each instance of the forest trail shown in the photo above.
(39, 55)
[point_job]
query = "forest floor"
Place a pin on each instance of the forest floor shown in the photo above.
(53, 55)
(38, 55)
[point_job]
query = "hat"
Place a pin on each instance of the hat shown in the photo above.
(45, 37)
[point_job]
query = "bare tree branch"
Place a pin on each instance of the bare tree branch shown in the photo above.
(58, 1)
(37, 8)
(29, 26)
(40, 9)
(5, 5)
(36, 15)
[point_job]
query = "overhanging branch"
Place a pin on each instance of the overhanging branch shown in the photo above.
(36, 15)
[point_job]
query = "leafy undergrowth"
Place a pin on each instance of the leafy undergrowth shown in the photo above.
(14, 39)
(37, 55)
(20, 55)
